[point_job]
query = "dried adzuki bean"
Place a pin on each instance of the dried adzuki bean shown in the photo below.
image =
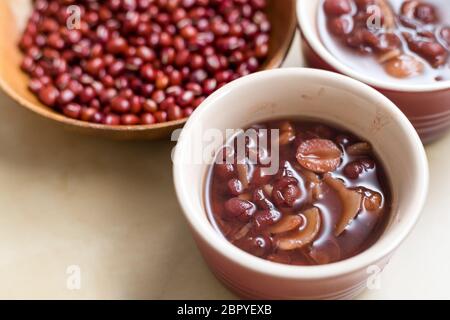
(127, 56)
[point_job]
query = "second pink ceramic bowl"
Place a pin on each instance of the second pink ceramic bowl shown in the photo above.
(294, 93)
(427, 106)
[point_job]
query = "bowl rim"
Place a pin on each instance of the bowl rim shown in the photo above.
(382, 248)
(313, 39)
(47, 112)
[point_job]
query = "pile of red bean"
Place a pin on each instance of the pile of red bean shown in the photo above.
(132, 62)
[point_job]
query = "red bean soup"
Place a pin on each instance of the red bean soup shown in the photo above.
(389, 39)
(327, 200)
(140, 61)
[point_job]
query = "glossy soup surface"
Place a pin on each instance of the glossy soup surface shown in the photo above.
(411, 44)
(327, 200)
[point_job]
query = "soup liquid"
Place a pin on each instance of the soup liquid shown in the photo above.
(327, 247)
(369, 66)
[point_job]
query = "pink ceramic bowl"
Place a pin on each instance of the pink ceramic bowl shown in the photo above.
(297, 93)
(426, 106)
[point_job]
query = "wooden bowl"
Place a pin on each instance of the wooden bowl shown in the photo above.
(13, 81)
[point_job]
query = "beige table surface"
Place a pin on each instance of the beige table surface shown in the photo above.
(109, 208)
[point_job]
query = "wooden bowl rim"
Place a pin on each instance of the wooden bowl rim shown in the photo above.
(39, 108)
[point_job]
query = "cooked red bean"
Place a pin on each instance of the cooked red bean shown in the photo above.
(354, 169)
(340, 26)
(127, 55)
(236, 207)
(266, 218)
(235, 187)
(337, 7)
(224, 170)
(286, 192)
(426, 13)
